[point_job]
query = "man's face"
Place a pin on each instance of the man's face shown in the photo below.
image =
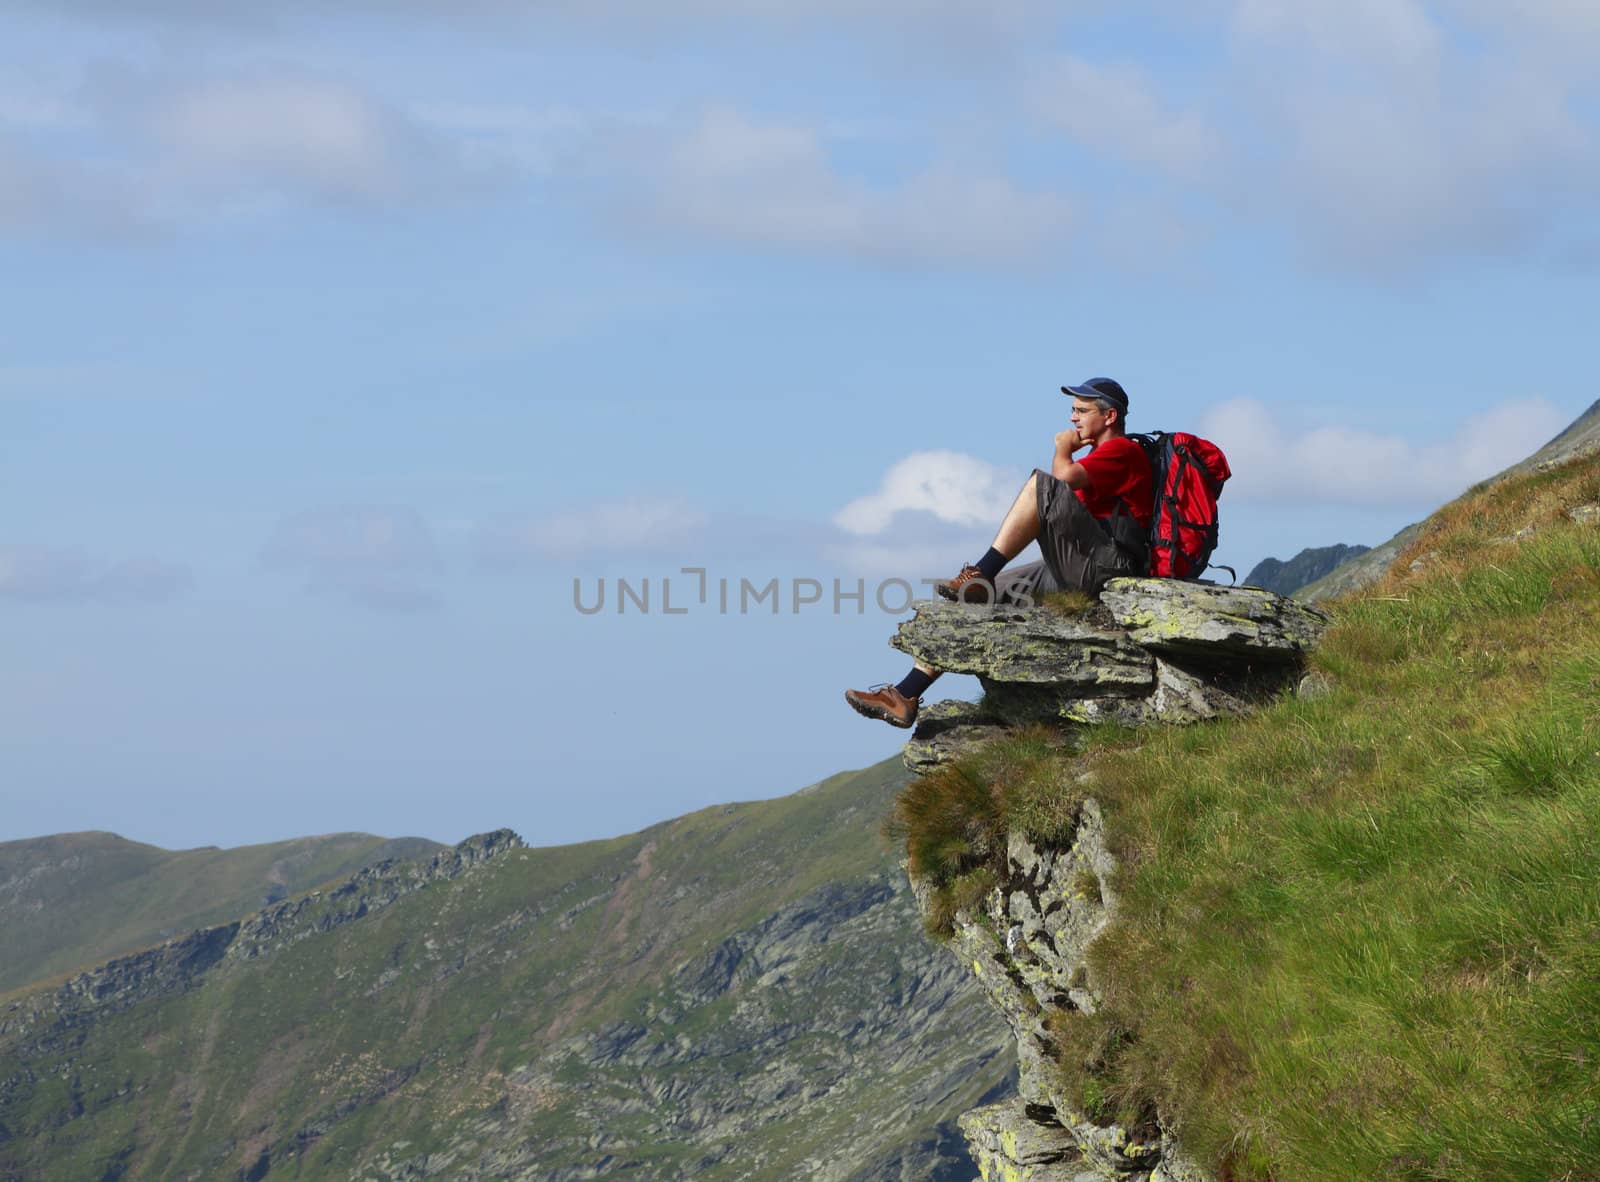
(1088, 417)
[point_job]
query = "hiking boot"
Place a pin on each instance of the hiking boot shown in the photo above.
(970, 586)
(885, 702)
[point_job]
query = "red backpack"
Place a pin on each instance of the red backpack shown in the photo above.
(1188, 473)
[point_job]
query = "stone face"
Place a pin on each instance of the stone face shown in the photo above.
(1029, 951)
(1026, 646)
(1178, 697)
(1009, 1144)
(1210, 622)
(947, 731)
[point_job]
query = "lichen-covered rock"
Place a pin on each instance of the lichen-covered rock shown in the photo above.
(977, 947)
(1011, 1144)
(1178, 697)
(1052, 904)
(947, 731)
(1585, 514)
(1048, 908)
(1211, 622)
(1026, 646)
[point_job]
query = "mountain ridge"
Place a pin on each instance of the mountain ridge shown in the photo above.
(70, 900)
(743, 992)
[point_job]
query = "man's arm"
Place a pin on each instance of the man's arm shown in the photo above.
(1063, 467)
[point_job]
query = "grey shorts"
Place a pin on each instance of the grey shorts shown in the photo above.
(1080, 553)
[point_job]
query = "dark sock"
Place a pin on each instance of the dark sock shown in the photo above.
(914, 683)
(991, 563)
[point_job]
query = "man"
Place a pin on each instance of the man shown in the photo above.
(1091, 518)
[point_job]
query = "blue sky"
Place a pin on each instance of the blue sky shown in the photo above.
(335, 347)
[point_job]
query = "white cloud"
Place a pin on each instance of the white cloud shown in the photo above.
(1116, 109)
(134, 152)
(382, 557)
(1350, 466)
(1396, 34)
(653, 526)
(315, 137)
(54, 574)
(774, 185)
(950, 486)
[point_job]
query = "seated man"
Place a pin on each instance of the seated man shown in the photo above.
(1091, 518)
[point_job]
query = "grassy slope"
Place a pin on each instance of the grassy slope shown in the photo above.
(1359, 934)
(474, 1017)
(76, 899)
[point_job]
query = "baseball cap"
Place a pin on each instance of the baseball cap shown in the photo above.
(1100, 390)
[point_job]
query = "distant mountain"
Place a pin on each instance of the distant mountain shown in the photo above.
(742, 993)
(1581, 437)
(1305, 567)
(74, 899)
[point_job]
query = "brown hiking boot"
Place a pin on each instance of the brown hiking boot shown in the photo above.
(970, 586)
(884, 702)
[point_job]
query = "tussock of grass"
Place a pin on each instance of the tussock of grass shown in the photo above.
(1067, 603)
(1359, 936)
(954, 821)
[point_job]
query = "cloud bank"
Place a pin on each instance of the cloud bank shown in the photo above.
(769, 184)
(666, 526)
(1383, 137)
(1276, 465)
(54, 574)
(135, 152)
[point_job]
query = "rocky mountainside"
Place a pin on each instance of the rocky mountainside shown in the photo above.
(74, 899)
(1151, 652)
(1581, 438)
(1305, 567)
(743, 993)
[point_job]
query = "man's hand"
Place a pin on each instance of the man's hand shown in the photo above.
(1064, 467)
(1068, 441)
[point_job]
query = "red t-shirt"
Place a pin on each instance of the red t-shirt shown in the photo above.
(1119, 472)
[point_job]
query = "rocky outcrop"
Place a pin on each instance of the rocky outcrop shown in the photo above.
(1152, 652)
(1211, 623)
(1028, 946)
(1028, 646)
(947, 731)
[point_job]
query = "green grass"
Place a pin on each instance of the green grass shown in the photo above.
(1359, 936)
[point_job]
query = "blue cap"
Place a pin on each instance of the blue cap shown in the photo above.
(1100, 390)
